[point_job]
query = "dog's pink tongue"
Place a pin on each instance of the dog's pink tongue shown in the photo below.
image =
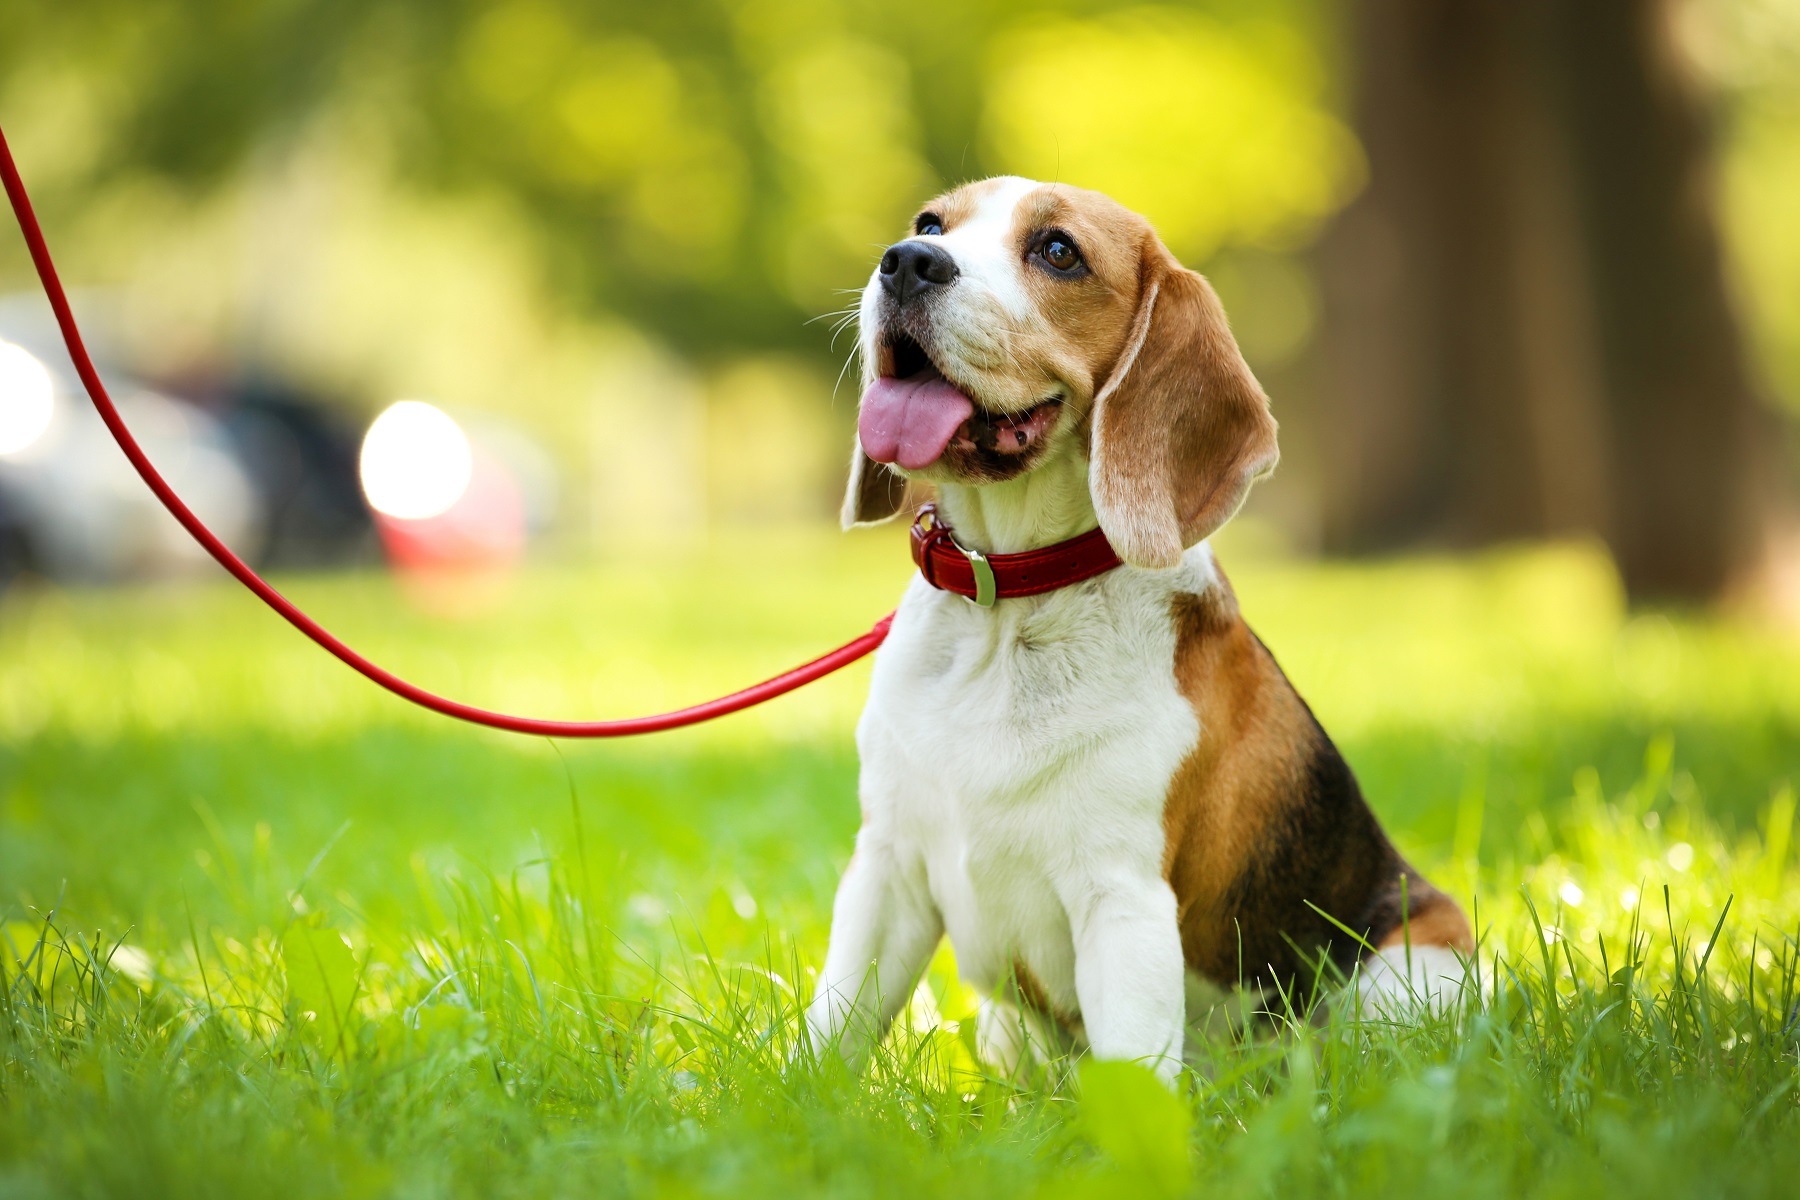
(910, 421)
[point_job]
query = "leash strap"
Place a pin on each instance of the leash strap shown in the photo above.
(781, 684)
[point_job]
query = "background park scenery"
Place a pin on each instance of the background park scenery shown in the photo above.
(1523, 282)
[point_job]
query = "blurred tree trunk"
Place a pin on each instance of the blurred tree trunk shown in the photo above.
(1528, 330)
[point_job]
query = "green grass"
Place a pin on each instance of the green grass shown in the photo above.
(269, 932)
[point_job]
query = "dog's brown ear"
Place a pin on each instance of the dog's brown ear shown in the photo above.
(1181, 428)
(875, 493)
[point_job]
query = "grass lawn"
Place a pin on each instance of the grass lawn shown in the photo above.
(269, 932)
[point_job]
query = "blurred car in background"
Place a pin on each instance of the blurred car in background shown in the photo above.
(271, 470)
(283, 476)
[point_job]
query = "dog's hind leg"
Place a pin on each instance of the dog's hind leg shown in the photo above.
(1396, 982)
(1419, 966)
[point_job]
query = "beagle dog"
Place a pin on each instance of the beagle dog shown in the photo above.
(1102, 787)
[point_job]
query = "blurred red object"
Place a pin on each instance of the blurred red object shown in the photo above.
(459, 561)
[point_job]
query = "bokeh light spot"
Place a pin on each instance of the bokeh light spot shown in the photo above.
(27, 399)
(416, 462)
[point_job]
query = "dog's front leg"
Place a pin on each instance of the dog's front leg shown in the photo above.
(1128, 973)
(884, 927)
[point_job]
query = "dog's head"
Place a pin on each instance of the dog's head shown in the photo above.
(1022, 321)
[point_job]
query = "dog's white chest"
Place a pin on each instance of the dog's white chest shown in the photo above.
(1020, 758)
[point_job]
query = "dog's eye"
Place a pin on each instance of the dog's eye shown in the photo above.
(1060, 253)
(929, 225)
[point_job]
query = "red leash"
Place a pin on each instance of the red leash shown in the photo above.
(819, 667)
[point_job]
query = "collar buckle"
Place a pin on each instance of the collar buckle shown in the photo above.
(929, 528)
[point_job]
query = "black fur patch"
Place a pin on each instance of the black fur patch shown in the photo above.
(1324, 850)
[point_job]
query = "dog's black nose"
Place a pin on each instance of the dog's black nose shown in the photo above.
(912, 268)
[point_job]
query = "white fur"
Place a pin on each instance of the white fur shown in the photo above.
(1015, 762)
(983, 253)
(1397, 982)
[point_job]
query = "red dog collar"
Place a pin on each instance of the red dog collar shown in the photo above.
(985, 578)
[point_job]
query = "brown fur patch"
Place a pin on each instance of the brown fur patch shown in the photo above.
(1433, 919)
(1082, 320)
(1264, 821)
(1181, 428)
(874, 494)
(1222, 799)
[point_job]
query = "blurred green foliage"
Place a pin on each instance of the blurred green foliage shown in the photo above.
(625, 225)
(717, 170)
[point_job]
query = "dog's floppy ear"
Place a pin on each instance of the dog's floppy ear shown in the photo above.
(875, 493)
(1181, 429)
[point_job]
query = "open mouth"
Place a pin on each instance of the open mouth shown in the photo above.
(913, 415)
